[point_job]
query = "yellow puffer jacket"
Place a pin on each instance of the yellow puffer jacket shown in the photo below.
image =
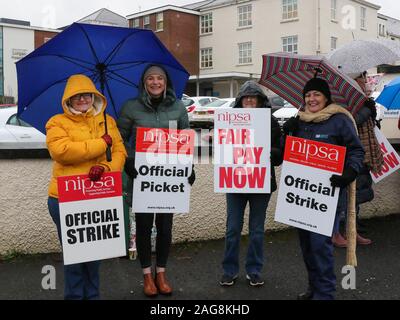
(74, 140)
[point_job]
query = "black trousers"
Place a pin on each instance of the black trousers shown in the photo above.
(144, 224)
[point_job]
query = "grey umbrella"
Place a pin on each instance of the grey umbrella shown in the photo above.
(360, 55)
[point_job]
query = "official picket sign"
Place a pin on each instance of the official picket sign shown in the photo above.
(306, 199)
(391, 157)
(163, 160)
(242, 146)
(92, 218)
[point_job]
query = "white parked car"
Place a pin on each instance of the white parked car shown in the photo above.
(192, 103)
(205, 114)
(283, 114)
(17, 134)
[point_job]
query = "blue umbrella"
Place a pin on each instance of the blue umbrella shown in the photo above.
(390, 96)
(113, 57)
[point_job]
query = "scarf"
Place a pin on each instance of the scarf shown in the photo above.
(373, 153)
(325, 114)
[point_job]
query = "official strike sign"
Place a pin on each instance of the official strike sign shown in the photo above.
(163, 160)
(242, 147)
(92, 218)
(391, 157)
(306, 199)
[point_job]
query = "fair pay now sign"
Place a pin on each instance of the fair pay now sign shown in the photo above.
(242, 149)
(92, 218)
(306, 199)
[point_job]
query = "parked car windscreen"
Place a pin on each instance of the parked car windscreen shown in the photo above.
(216, 103)
(187, 102)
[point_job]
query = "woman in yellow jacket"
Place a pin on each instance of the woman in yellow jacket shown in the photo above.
(77, 143)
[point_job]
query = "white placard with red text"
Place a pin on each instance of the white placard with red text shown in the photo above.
(391, 157)
(242, 148)
(163, 160)
(91, 217)
(306, 199)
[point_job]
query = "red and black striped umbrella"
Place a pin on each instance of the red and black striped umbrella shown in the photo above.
(286, 74)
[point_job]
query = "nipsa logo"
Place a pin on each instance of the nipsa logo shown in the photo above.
(235, 118)
(161, 137)
(314, 151)
(88, 186)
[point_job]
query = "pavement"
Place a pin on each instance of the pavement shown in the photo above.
(195, 268)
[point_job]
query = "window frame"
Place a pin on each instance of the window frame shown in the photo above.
(159, 21)
(294, 13)
(245, 54)
(334, 10)
(146, 25)
(206, 64)
(245, 18)
(363, 18)
(334, 40)
(294, 43)
(206, 23)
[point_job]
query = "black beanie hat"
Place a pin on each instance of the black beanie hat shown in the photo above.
(317, 84)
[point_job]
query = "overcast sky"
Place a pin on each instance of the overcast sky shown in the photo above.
(58, 13)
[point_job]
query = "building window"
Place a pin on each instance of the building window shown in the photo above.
(206, 23)
(1, 63)
(244, 16)
(290, 44)
(46, 39)
(382, 30)
(160, 21)
(146, 22)
(206, 58)
(333, 9)
(333, 43)
(245, 53)
(289, 9)
(363, 18)
(136, 23)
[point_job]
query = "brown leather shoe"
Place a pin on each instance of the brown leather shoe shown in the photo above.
(162, 284)
(149, 287)
(338, 240)
(363, 241)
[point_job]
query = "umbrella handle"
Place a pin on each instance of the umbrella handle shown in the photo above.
(108, 150)
(108, 154)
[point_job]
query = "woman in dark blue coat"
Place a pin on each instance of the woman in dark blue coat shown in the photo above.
(325, 122)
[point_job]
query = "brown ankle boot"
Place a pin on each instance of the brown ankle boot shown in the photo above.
(162, 284)
(338, 240)
(363, 241)
(149, 288)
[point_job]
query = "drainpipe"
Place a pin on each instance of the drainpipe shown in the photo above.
(197, 86)
(318, 51)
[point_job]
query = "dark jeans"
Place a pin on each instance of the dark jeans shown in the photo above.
(144, 224)
(318, 256)
(81, 280)
(236, 204)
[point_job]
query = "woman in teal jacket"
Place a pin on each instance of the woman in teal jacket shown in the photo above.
(155, 107)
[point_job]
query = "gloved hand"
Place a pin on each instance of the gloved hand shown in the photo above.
(96, 172)
(370, 104)
(107, 138)
(192, 177)
(348, 176)
(291, 125)
(130, 168)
